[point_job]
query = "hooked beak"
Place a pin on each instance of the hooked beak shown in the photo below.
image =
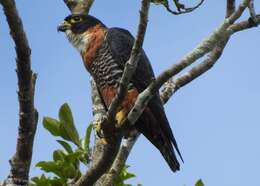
(64, 26)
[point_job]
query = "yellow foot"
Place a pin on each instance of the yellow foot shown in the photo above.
(120, 116)
(98, 127)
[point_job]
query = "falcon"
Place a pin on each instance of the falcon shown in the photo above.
(104, 52)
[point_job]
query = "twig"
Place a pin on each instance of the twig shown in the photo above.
(21, 161)
(181, 9)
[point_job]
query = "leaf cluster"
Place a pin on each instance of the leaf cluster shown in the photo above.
(64, 167)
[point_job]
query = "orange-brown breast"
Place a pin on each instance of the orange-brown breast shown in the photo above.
(97, 36)
(109, 93)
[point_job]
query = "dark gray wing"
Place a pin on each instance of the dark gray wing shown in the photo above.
(120, 43)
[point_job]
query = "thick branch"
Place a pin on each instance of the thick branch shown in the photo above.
(21, 161)
(103, 154)
(110, 177)
(243, 25)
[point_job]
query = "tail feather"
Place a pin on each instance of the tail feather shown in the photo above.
(168, 153)
(152, 129)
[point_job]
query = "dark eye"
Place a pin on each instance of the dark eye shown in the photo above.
(77, 18)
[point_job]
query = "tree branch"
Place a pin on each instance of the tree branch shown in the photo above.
(181, 9)
(131, 64)
(110, 177)
(21, 161)
(231, 7)
(222, 33)
(103, 154)
(109, 151)
(171, 87)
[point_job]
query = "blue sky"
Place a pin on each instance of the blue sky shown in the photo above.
(215, 118)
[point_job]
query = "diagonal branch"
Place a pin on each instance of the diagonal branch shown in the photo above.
(103, 154)
(110, 177)
(171, 87)
(205, 47)
(21, 161)
(109, 151)
(243, 25)
(131, 64)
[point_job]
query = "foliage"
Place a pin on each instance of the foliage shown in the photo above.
(199, 183)
(65, 166)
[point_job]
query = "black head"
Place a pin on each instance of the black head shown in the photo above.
(79, 23)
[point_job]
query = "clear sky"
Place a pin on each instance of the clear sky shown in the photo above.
(215, 118)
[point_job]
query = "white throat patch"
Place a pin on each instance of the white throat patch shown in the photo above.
(80, 41)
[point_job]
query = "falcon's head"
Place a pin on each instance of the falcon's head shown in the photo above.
(79, 29)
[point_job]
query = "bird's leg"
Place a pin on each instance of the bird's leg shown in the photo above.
(105, 130)
(99, 130)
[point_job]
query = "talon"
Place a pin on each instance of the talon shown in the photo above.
(120, 116)
(98, 127)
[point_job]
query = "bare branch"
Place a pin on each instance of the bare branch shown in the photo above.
(103, 154)
(21, 161)
(110, 150)
(251, 8)
(201, 68)
(222, 33)
(231, 7)
(243, 25)
(79, 6)
(109, 178)
(131, 64)
(181, 9)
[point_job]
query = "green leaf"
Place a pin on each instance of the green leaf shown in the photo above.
(50, 166)
(58, 155)
(199, 183)
(72, 157)
(64, 134)
(123, 176)
(66, 146)
(52, 125)
(67, 122)
(69, 171)
(87, 138)
(40, 181)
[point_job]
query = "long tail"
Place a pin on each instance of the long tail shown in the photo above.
(154, 130)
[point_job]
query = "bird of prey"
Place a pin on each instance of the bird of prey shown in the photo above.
(104, 52)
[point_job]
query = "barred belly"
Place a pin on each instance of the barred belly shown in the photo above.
(104, 69)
